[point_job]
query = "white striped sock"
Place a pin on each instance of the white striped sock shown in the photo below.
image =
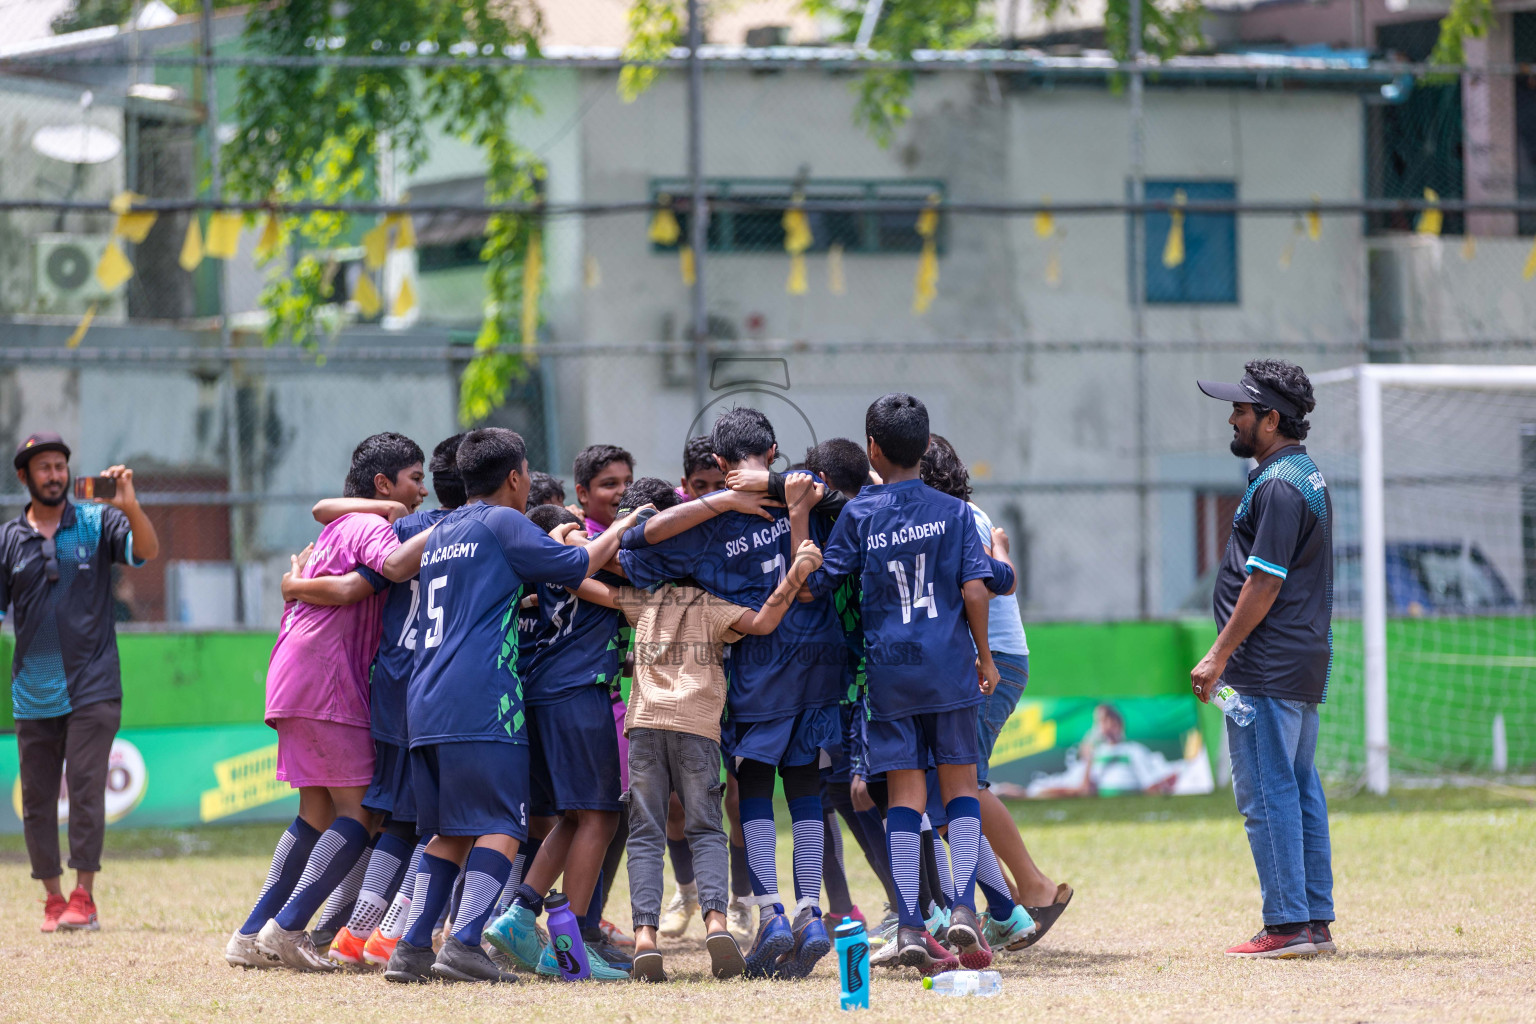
(399, 915)
(371, 898)
(810, 840)
(946, 878)
(761, 842)
(480, 891)
(965, 845)
(279, 859)
(418, 898)
(906, 864)
(345, 894)
(509, 891)
(326, 848)
(989, 873)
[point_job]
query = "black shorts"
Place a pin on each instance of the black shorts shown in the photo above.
(390, 791)
(472, 788)
(573, 754)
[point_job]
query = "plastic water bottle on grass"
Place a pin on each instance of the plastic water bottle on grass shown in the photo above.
(965, 983)
(1233, 706)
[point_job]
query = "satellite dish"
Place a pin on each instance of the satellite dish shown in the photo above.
(77, 143)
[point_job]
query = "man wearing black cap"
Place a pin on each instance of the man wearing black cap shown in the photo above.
(66, 690)
(1274, 606)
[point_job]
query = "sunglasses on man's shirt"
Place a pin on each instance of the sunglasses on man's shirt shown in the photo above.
(51, 559)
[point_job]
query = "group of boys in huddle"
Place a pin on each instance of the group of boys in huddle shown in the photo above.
(448, 692)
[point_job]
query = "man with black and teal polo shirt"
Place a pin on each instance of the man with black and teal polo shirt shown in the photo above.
(56, 563)
(1274, 608)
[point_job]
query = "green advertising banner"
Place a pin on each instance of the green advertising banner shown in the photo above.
(1081, 746)
(181, 776)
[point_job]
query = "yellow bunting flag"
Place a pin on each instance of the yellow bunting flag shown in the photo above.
(266, 245)
(1315, 221)
(836, 283)
(797, 283)
(592, 275)
(797, 239)
(1468, 248)
(533, 276)
(114, 268)
(376, 245)
(223, 235)
(925, 287)
(685, 265)
(79, 332)
(135, 226)
(1530, 264)
(1173, 248)
(121, 203)
(405, 231)
(405, 299)
(366, 296)
(1045, 223)
(1430, 220)
(192, 245)
(664, 229)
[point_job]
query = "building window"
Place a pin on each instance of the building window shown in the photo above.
(1209, 271)
(1213, 525)
(762, 231)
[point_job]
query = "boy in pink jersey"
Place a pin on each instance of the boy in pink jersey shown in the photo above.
(317, 700)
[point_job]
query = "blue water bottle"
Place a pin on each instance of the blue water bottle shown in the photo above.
(565, 942)
(853, 964)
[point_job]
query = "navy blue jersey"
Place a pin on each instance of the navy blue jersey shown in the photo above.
(741, 558)
(911, 548)
(466, 684)
(391, 669)
(576, 645)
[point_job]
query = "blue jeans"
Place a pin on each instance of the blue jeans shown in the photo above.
(1280, 795)
(995, 708)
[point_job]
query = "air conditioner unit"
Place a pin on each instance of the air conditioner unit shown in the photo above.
(64, 272)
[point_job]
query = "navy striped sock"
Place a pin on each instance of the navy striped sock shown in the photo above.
(337, 910)
(386, 869)
(485, 875)
(757, 828)
(965, 844)
(337, 849)
(810, 830)
(989, 877)
(288, 861)
(429, 897)
(902, 828)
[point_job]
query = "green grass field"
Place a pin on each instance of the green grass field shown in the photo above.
(1434, 889)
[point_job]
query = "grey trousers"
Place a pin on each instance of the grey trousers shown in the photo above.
(81, 739)
(662, 762)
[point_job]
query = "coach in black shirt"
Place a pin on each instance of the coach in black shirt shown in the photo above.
(1274, 607)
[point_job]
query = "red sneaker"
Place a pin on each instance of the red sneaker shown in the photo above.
(1269, 945)
(917, 948)
(967, 936)
(378, 949)
(614, 936)
(80, 914)
(53, 909)
(347, 949)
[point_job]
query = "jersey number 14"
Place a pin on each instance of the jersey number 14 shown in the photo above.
(914, 596)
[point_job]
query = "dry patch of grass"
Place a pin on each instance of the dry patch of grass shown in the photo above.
(1434, 891)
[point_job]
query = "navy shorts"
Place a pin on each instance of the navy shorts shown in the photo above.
(938, 817)
(995, 709)
(919, 742)
(848, 757)
(472, 788)
(783, 741)
(390, 791)
(573, 754)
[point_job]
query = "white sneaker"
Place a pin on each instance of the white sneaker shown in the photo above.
(678, 912)
(888, 955)
(294, 949)
(738, 921)
(242, 951)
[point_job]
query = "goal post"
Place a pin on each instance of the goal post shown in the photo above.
(1469, 487)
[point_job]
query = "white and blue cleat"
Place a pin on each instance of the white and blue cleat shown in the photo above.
(516, 934)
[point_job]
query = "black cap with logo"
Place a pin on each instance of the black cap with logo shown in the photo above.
(37, 443)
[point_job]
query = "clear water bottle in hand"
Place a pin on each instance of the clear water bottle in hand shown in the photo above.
(965, 983)
(1232, 705)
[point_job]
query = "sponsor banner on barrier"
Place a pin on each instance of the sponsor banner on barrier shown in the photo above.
(1081, 746)
(182, 776)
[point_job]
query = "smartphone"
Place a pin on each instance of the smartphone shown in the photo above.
(91, 487)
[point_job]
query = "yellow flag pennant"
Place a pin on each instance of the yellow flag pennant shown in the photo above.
(405, 231)
(664, 229)
(1315, 221)
(114, 268)
(796, 285)
(533, 276)
(376, 245)
(405, 299)
(135, 225)
(366, 296)
(1530, 264)
(592, 274)
(1173, 248)
(123, 202)
(1045, 222)
(797, 231)
(223, 235)
(685, 265)
(928, 220)
(1468, 248)
(926, 287)
(192, 245)
(79, 332)
(836, 284)
(1430, 220)
(266, 245)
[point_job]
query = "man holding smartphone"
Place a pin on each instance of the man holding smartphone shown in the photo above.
(66, 688)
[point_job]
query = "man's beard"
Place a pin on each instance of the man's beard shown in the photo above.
(43, 499)
(1243, 445)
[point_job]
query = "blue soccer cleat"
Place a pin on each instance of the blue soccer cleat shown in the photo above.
(516, 934)
(774, 939)
(811, 944)
(1015, 928)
